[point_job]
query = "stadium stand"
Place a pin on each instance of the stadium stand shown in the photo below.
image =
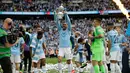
(51, 5)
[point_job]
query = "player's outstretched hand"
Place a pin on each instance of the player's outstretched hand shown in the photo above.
(128, 49)
(65, 12)
(22, 56)
(128, 52)
(90, 36)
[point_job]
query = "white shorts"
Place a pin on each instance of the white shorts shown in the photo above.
(107, 59)
(15, 58)
(36, 57)
(65, 52)
(77, 58)
(120, 56)
(115, 55)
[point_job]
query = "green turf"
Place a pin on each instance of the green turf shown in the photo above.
(54, 60)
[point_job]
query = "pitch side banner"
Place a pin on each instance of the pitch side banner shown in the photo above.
(72, 13)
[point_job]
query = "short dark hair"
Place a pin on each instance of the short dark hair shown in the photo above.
(98, 19)
(80, 40)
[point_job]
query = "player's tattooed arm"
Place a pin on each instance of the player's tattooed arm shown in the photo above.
(109, 47)
(124, 44)
(22, 51)
(57, 20)
(44, 46)
(67, 19)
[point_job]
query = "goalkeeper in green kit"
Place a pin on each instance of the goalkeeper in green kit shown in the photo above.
(97, 46)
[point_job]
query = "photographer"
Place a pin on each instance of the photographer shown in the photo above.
(5, 46)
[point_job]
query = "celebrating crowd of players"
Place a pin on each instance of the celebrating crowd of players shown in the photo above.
(99, 46)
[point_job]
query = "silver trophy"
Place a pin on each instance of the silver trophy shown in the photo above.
(60, 13)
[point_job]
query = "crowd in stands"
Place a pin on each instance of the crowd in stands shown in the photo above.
(51, 5)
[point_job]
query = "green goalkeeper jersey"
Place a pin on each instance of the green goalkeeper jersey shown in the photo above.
(98, 43)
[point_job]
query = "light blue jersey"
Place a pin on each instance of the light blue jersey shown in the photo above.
(64, 35)
(80, 52)
(15, 50)
(122, 39)
(80, 48)
(33, 35)
(113, 38)
(37, 46)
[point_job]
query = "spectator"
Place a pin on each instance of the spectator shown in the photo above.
(37, 6)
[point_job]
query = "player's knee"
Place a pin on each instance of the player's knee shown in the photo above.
(94, 62)
(113, 61)
(35, 65)
(43, 63)
(68, 61)
(100, 63)
(43, 60)
(17, 66)
(59, 59)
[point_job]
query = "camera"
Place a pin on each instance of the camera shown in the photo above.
(13, 35)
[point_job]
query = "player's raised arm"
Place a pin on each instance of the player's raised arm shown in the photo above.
(57, 20)
(67, 20)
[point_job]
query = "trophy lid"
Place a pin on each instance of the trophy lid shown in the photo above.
(61, 7)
